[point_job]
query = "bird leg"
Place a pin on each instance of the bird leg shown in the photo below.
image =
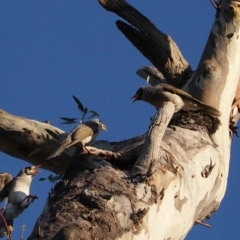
(33, 197)
(86, 149)
(82, 149)
(8, 230)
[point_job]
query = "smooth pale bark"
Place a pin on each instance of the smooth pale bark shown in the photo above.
(157, 185)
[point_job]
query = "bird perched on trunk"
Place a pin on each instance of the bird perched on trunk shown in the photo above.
(17, 193)
(82, 134)
(163, 92)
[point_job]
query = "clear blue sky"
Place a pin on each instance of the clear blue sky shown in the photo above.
(50, 50)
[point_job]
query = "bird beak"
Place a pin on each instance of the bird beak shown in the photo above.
(135, 98)
(35, 169)
(104, 127)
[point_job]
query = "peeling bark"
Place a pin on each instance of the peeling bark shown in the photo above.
(109, 203)
(174, 176)
(151, 75)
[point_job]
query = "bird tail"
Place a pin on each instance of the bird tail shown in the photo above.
(58, 151)
(211, 110)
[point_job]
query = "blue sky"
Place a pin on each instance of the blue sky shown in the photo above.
(51, 50)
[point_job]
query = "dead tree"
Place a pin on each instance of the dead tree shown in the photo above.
(159, 184)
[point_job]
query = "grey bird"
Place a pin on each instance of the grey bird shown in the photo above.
(82, 134)
(17, 192)
(163, 92)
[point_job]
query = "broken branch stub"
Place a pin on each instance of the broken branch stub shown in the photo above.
(156, 46)
(153, 139)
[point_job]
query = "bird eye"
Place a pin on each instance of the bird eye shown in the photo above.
(27, 169)
(139, 91)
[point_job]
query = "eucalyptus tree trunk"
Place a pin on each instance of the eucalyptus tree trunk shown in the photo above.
(159, 184)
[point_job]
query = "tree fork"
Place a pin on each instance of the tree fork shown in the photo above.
(97, 200)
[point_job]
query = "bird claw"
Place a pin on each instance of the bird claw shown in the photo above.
(32, 197)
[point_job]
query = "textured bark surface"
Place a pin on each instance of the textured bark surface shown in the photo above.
(157, 185)
(96, 199)
(106, 202)
(20, 136)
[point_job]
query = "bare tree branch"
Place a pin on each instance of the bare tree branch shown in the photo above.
(184, 166)
(151, 75)
(159, 48)
(153, 140)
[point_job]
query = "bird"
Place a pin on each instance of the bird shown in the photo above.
(82, 134)
(5, 178)
(163, 92)
(18, 198)
(18, 188)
